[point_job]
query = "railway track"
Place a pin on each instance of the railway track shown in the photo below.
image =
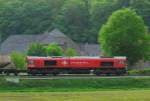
(68, 76)
(22, 74)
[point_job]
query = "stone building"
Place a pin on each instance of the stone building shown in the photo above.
(20, 43)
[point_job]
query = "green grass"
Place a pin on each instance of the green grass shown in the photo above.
(143, 72)
(134, 95)
(68, 85)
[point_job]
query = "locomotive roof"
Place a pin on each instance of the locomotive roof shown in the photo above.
(77, 57)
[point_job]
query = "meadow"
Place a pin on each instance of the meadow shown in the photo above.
(120, 95)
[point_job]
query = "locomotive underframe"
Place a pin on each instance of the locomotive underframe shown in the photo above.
(99, 71)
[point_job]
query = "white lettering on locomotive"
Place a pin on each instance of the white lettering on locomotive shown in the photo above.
(79, 62)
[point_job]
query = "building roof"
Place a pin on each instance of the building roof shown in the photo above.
(57, 33)
(20, 43)
(17, 43)
(90, 49)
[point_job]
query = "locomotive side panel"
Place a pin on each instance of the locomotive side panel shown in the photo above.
(61, 63)
(47, 62)
(81, 63)
(84, 63)
(120, 63)
(106, 63)
(58, 65)
(34, 63)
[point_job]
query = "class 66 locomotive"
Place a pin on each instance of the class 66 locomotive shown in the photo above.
(77, 65)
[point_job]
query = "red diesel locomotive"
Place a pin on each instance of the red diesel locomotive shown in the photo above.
(76, 65)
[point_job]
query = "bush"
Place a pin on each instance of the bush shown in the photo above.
(71, 52)
(19, 60)
(143, 72)
(54, 50)
(36, 49)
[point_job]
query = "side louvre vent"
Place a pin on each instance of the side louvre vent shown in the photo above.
(50, 63)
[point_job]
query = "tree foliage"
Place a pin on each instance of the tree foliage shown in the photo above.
(71, 52)
(19, 60)
(76, 18)
(36, 49)
(54, 50)
(28, 16)
(147, 57)
(79, 19)
(125, 34)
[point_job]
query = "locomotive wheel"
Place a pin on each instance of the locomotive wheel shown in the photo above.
(118, 73)
(55, 74)
(7, 73)
(33, 74)
(97, 74)
(44, 74)
(109, 74)
(16, 74)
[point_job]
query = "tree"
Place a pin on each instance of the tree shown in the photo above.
(76, 19)
(71, 52)
(36, 49)
(124, 34)
(54, 50)
(24, 17)
(141, 6)
(79, 19)
(147, 57)
(18, 60)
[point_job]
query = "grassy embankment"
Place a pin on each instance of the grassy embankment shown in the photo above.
(57, 85)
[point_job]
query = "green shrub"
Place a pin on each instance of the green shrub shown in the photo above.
(54, 50)
(139, 72)
(71, 52)
(36, 49)
(19, 60)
